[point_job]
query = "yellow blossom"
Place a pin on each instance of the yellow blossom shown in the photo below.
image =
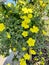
(35, 29)
(9, 4)
(25, 10)
(14, 49)
(25, 33)
(2, 27)
(32, 52)
(31, 42)
(8, 35)
(26, 19)
(22, 62)
(29, 10)
(23, 48)
(43, 32)
(27, 56)
(25, 25)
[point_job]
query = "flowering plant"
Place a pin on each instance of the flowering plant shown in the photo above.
(22, 30)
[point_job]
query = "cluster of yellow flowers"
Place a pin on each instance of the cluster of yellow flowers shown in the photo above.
(26, 20)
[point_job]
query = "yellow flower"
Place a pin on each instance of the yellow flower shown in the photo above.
(26, 19)
(8, 64)
(9, 4)
(29, 10)
(14, 49)
(31, 42)
(25, 33)
(22, 62)
(2, 27)
(29, 15)
(27, 56)
(43, 32)
(25, 25)
(35, 29)
(8, 35)
(25, 10)
(23, 48)
(32, 52)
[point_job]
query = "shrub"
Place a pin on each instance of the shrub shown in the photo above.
(22, 30)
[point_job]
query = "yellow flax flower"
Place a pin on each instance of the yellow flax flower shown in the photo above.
(30, 10)
(31, 42)
(32, 52)
(2, 27)
(22, 62)
(27, 56)
(44, 32)
(25, 25)
(8, 35)
(26, 19)
(35, 29)
(9, 4)
(25, 10)
(23, 48)
(25, 33)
